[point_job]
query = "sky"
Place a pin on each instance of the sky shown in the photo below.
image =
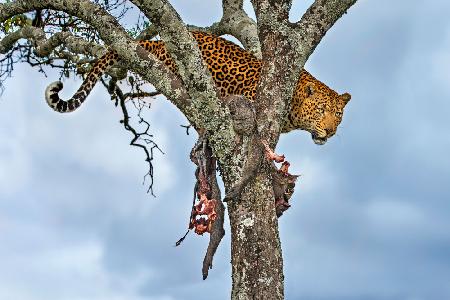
(369, 218)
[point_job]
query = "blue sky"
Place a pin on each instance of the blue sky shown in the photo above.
(370, 215)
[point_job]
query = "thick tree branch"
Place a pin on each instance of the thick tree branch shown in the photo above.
(207, 111)
(44, 46)
(319, 17)
(236, 22)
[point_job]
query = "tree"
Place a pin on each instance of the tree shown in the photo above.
(74, 32)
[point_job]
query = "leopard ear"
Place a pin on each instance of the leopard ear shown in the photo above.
(309, 89)
(346, 97)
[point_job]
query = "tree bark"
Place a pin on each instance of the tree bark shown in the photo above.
(257, 263)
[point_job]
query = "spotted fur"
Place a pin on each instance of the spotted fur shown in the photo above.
(314, 106)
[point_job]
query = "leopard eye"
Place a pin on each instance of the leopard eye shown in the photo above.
(338, 114)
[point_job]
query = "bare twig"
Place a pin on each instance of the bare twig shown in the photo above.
(149, 144)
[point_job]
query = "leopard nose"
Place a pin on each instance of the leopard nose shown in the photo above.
(329, 131)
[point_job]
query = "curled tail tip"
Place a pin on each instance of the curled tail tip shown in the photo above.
(56, 103)
(51, 93)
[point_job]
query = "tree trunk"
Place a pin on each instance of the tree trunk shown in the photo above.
(257, 264)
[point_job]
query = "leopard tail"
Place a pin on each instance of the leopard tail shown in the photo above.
(64, 106)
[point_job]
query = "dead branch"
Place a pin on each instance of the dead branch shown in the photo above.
(148, 145)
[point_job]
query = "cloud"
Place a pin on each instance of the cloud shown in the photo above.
(64, 270)
(15, 164)
(395, 218)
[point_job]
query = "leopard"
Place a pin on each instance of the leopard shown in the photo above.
(314, 106)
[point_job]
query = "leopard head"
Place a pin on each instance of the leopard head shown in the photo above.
(317, 109)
